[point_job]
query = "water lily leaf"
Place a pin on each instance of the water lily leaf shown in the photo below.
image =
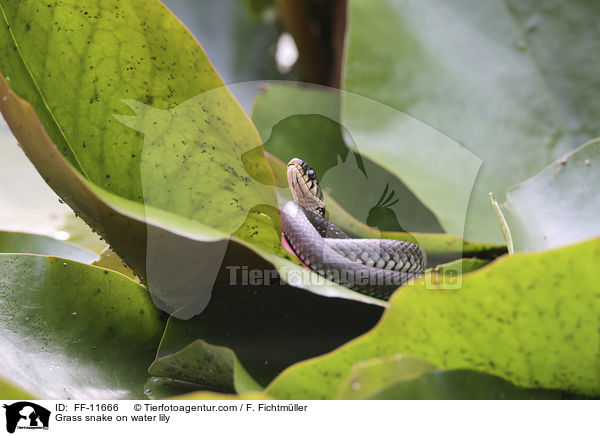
(94, 38)
(559, 38)
(74, 331)
(509, 91)
(403, 378)
(39, 244)
(185, 175)
(80, 234)
(116, 156)
(462, 385)
(159, 388)
(263, 328)
(113, 224)
(110, 260)
(189, 185)
(177, 253)
(370, 376)
(519, 318)
(558, 206)
(193, 363)
(204, 365)
(461, 266)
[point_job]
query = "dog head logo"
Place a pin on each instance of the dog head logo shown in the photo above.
(26, 415)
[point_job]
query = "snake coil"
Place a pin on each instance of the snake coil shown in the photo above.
(375, 267)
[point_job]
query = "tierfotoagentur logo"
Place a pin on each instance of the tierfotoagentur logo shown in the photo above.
(24, 415)
(242, 275)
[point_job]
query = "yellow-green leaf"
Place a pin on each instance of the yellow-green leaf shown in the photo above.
(531, 319)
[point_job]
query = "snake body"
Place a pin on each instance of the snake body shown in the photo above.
(375, 267)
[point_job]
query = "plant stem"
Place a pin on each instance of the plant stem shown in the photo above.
(503, 224)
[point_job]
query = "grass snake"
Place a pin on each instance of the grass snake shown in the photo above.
(375, 267)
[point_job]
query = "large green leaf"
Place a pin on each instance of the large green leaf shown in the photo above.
(170, 255)
(457, 267)
(200, 364)
(403, 378)
(461, 385)
(529, 318)
(138, 66)
(558, 206)
(76, 105)
(196, 176)
(513, 81)
(38, 244)
(189, 183)
(368, 377)
(71, 330)
(562, 40)
(198, 352)
(186, 176)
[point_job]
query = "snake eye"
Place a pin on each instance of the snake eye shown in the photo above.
(311, 174)
(304, 166)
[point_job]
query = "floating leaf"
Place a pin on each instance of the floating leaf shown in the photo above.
(187, 185)
(109, 260)
(74, 331)
(518, 92)
(531, 319)
(39, 244)
(558, 206)
(403, 378)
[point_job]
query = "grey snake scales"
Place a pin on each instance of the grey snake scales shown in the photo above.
(375, 267)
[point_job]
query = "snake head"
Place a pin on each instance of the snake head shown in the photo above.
(305, 187)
